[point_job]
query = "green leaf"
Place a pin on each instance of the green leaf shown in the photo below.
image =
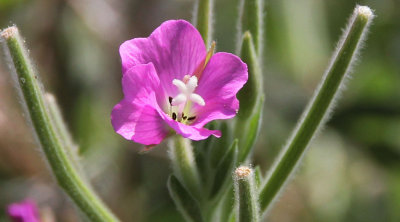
(220, 147)
(258, 176)
(185, 202)
(253, 89)
(223, 174)
(249, 130)
(250, 19)
(227, 205)
(203, 19)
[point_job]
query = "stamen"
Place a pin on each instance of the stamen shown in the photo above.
(186, 96)
(191, 118)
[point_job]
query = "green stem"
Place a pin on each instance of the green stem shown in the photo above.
(319, 107)
(62, 131)
(184, 164)
(246, 197)
(64, 172)
(203, 19)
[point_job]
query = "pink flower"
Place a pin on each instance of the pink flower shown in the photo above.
(25, 211)
(170, 82)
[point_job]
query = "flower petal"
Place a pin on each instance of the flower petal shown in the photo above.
(190, 132)
(175, 48)
(136, 116)
(140, 84)
(139, 123)
(25, 211)
(224, 75)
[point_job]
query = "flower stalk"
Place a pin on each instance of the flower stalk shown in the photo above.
(62, 131)
(317, 111)
(55, 153)
(247, 209)
(184, 164)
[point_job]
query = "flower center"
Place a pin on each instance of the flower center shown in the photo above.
(180, 105)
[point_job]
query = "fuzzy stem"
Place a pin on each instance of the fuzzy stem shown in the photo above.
(62, 131)
(246, 197)
(56, 117)
(61, 166)
(319, 107)
(184, 164)
(203, 19)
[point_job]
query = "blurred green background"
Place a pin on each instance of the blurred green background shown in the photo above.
(350, 173)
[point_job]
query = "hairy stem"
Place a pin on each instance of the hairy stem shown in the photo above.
(247, 209)
(184, 164)
(319, 107)
(61, 166)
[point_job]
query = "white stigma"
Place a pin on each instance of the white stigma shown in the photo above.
(186, 92)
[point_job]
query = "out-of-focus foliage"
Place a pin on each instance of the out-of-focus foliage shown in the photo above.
(351, 172)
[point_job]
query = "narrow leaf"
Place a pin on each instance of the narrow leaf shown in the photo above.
(258, 176)
(203, 19)
(250, 19)
(185, 202)
(253, 89)
(249, 135)
(223, 174)
(219, 148)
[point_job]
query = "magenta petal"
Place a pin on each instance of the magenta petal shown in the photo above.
(139, 123)
(175, 48)
(189, 132)
(141, 85)
(25, 211)
(224, 75)
(139, 82)
(136, 117)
